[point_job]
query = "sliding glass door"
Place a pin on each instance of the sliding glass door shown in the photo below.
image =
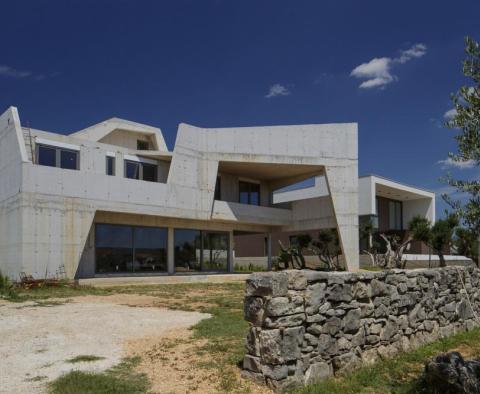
(128, 249)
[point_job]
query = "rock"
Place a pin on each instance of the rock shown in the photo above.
(332, 326)
(318, 371)
(280, 306)
(252, 363)
(285, 321)
(464, 311)
(351, 322)
(327, 344)
(314, 297)
(263, 284)
(370, 356)
(390, 329)
(340, 292)
(297, 280)
(377, 288)
(344, 344)
(252, 343)
(253, 310)
(345, 363)
(450, 373)
(361, 291)
(276, 372)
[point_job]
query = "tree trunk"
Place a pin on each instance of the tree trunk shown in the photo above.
(442, 259)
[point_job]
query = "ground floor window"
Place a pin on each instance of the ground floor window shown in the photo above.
(197, 250)
(127, 249)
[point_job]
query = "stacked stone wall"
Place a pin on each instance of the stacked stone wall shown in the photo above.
(306, 326)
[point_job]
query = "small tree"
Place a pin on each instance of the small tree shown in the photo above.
(292, 256)
(466, 243)
(327, 249)
(439, 237)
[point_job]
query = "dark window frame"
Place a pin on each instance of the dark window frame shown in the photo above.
(218, 189)
(140, 165)
(250, 192)
(109, 159)
(58, 153)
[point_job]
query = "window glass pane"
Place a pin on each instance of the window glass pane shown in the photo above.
(132, 170)
(46, 156)
(254, 194)
(244, 191)
(150, 249)
(113, 248)
(68, 159)
(149, 172)
(398, 214)
(110, 165)
(187, 250)
(215, 251)
(391, 215)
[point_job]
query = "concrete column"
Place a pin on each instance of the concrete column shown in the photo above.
(269, 251)
(170, 251)
(230, 252)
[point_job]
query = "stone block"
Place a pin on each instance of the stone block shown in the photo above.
(280, 306)
(263, 284)
(297, 280)
(351, 322)
(253, 310)
(285, 321)
(339, 292)
(317, 372)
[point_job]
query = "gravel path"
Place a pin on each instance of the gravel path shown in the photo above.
(36, 341)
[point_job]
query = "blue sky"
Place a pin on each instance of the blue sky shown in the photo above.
(390, 66)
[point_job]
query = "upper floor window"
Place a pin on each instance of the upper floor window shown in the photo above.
(110, 165)
(142, 145)
(218, 190)
(140, 170)
(249, 193)
(53, 156)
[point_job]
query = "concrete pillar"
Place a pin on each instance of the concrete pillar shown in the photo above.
(269, 251)
(170, 251)
(230, 252)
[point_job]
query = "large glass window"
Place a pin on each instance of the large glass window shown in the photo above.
(140, 170)
(127, 249)
(114, 248)
(150, 249)
(53, 156)
(215, 251)
(188, 245)
(249, 193)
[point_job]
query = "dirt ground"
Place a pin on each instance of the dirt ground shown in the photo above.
(39, 338)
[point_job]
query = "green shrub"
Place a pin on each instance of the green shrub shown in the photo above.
(7, 288)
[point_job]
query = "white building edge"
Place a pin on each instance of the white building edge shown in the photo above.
(61, 212)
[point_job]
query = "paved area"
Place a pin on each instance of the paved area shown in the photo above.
(37, 340)
(161, 279)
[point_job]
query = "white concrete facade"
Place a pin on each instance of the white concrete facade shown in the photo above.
(48, 214)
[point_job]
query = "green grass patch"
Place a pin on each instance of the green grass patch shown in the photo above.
(84, 358)
(7, 289)
(119, 379)
(400, 375)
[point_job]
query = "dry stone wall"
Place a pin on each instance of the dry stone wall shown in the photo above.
(306, 326)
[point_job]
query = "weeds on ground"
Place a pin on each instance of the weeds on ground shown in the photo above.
(84, 358)
(400, 375)
(119, 379)
(7, 288)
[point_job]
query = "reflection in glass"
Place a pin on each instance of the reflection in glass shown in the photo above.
(187, 250)
(114, 248)
(68, 159)
(149, 172)
(150, 249)
(46, 156)
(132, 170)
(215, 251)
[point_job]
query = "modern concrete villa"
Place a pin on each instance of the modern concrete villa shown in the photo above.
(113, 200)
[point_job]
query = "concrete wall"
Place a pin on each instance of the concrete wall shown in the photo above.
(306, 326)
(126, 139)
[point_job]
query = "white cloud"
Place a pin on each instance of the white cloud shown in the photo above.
(450, 114)
(418, 50)
(6, 71)
(461, 165)
(377, 71)
(277, 90)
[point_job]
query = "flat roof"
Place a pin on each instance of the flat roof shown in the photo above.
(394, 181)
